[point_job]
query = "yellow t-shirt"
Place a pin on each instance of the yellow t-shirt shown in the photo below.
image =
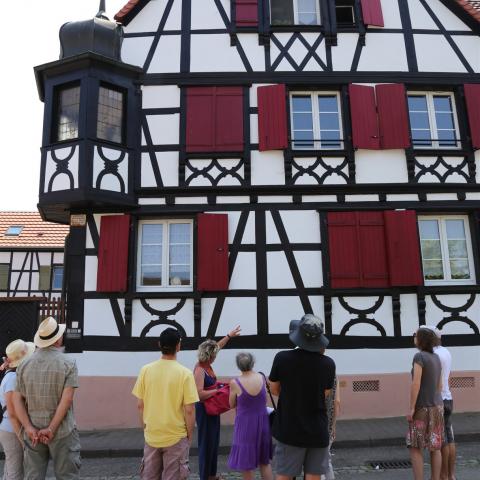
(165, 387)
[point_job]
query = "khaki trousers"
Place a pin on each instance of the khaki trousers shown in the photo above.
(65, 454)
(168, 463)
(13, 468)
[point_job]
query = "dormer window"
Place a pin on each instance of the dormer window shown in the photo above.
(67, 113)
(295, 12)
(110, 120)
(14, 230)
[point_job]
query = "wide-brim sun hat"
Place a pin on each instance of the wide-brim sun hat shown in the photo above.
(308, 333)
(18, 351)
(49, 331)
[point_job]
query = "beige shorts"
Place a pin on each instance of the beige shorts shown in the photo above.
(167, 463)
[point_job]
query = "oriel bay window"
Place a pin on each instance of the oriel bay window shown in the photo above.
(165, 251)
(433, 120)
(446, 250)
(294, 12)
(316, 121)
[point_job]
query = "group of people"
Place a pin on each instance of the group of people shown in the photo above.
(171, 399)
(36, 395)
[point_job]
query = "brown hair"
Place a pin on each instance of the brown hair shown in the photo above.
(426, 340)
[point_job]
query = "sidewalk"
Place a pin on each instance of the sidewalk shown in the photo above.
(379, 432)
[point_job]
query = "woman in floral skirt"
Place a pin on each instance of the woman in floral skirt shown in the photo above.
(425, 417)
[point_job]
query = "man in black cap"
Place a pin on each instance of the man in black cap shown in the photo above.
(302, 378)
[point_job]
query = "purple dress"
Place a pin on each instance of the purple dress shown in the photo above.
(252, 440)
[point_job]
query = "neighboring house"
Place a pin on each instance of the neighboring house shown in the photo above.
(31, 273)
(247, 161)
(31, 256)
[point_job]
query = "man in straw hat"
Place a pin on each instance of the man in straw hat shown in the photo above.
(43, 401)
(301, 378)
(17, 351)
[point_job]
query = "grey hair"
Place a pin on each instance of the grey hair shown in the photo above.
(245, 361)
(207, 351)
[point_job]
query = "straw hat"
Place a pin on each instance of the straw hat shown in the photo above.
(17, 351)
(49, 331)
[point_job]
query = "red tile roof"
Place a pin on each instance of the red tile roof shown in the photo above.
(35, 232)
(472, 7)
(127, 8)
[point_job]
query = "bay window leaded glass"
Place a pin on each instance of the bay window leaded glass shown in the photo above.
(67, 113)
(110, 115)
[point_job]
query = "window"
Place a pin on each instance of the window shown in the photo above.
(446, 250)
(57, 277)
(14, 230)
(345, 14)
(294, 12)
(67, 113)
(316, 121)
(44, 277)
(433, 120)
(4, 271)
(165, 254)
(110, 115)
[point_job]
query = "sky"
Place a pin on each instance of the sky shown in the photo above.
(29, 37)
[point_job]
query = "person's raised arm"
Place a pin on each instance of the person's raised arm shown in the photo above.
(414, 389)
(234, 333)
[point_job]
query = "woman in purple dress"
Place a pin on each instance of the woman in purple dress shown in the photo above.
(252, 440)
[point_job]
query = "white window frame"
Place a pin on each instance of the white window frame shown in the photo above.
(316, 119)
(296, 13)
(165, 257)
(433, 121)
(444, 248)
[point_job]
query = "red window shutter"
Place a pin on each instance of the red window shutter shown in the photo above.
(272, 118)
(392, 116)
(212, 252)
(357, 250)
(372, 12)
(113, 253)
(472, 98)
(246, 13)
(214, 119)
(372, 248)
(343, 248)
(364, 117)
(200, 119)
(229, 119)
(403, 248)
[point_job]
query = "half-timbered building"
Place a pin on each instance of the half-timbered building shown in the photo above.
(31, 273)
(226, 162)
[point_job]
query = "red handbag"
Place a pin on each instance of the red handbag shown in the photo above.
(220, 402)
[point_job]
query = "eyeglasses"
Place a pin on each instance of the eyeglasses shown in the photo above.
(414, 334)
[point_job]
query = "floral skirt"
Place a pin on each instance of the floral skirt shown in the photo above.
(427, 429)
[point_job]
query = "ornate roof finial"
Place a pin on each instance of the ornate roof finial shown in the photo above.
(101, 10)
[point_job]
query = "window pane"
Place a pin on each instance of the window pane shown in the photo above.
(328, 103)
(110, 115)
(151, 275)
(282, 12)
(429, 229)
(329, 121)
(68, 110)
(302, 121)
(417, 103)
(44, 277)
(447, 138)
(345, 15)
(330, 139)
(4, 268)
(302, 128)
(457, 249)
(303, 139)
(445, 121)
(179, 254)
(151, 255)
(421, 138)
(455, 229)
(442, 103)
(419, 120)
(433, 270)
(302, 103)
(431, 250)
(459, 269)
(307, 12)
(57, 279)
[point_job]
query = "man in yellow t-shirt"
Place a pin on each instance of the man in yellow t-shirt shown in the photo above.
(166, 394)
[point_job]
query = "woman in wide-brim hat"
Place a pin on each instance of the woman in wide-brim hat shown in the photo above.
(17, 351)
